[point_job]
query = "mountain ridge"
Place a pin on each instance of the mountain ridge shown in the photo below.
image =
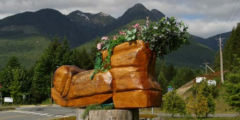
(78, 27)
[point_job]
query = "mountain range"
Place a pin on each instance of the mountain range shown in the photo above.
(27, 34)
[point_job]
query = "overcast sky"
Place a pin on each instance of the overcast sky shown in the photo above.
(205, 18)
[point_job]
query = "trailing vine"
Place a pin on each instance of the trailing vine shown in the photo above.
(163, 37)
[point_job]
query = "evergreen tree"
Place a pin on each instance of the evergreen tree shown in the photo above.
(16, 85)
(170, 72)
(84, 60)
(233, 87)
(12, 79)
(13, 63)
(232, 47)
(182, 76)
(7, 75)
(216, 63)
(57, 53)
(163, 82)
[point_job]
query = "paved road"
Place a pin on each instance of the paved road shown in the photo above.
(215, 115)
(37, 113)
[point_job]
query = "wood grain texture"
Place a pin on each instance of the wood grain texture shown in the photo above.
(80, 102)
(137, 99)
(131, 80)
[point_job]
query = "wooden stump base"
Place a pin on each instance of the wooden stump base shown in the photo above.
(114, 114)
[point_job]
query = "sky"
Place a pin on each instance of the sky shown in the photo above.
(205, 18)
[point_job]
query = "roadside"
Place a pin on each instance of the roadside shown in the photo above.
(13, 107)
(37, 112)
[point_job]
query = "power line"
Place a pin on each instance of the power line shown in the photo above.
(229, 16)
(233, 18)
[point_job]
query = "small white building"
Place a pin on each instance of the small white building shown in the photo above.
(200, 79)
(212, 82)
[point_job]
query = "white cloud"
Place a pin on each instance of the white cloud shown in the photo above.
(207, 29)
(204, 17)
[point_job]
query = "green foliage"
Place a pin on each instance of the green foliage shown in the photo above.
(16, 84)
(232, 47)
(206, 90)
(131, 35)
(14, 79)
(83, 59)
(7, 75)
(183, 75)
(47, 101)
(166, 35)
(57, 54)
(233, 86)
(13, 63)
(176, 77)
(173, 104)
(201, 102)
(216, 63)
(163, 37)
(26, 48)
(211, 105)
(198, 105)
(163, 82)
(105, 64)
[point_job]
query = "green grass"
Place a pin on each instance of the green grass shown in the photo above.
(151, 116)
(7, 108)
(221, 105)
(27, 48)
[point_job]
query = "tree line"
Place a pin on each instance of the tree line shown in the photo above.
(169, 75)
(35, 83)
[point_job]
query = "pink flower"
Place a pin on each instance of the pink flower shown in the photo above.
(136, 25)
(99, 46)
(114, 37)
(104, 38)
(122, 32)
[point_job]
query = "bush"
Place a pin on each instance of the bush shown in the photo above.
(201, 102)
(173, 104)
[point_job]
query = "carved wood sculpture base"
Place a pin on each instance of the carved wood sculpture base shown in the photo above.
(130, 114)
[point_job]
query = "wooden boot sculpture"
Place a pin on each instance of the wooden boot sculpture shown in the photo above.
(130, 83)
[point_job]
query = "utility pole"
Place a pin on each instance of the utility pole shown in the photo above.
(206, 64)
(221, 60)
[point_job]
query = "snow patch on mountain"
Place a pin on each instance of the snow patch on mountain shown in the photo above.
(83, 15)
